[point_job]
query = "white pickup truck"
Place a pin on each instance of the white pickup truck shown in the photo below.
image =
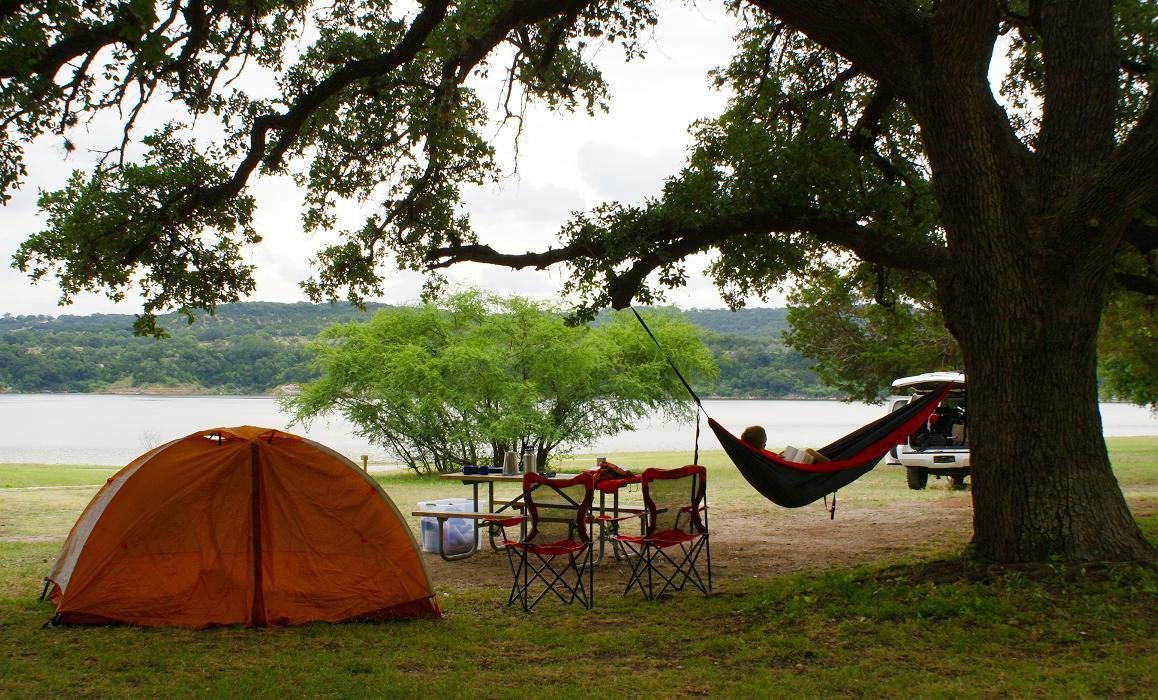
(941, 446)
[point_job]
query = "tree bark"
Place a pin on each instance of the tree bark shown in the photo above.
(1042, 482)
(1023, 290)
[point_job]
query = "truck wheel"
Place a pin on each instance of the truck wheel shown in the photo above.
(957, 483)
(916, 477)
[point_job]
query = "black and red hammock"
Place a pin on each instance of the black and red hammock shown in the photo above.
(793, 484)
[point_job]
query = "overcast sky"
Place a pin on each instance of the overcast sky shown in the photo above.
(566, 163)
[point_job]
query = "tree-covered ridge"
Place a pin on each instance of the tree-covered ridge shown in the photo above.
(255, 347)
(246, 348)
(748, 323)
(278, 319)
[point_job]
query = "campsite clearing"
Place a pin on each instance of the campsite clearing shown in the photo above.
(876, 602)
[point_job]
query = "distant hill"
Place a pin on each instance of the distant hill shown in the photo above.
(255, 347)
(246, 348)
(746, 323)
(281, 320)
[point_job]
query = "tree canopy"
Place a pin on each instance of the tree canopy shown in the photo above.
(821, 143)
(861, 138)
(464, 381)
(859, 346)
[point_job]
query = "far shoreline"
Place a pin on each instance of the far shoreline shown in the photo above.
(186, 394)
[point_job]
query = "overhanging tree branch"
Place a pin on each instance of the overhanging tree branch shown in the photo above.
(1117, 191)
(1142, 236)
(10, 7)
(123, 28)
(290, 122)
(1138, 284)
(882, 38)
(680, 240)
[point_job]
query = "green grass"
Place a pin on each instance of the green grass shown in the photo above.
(880, 632)
(14, 476)
(41, 513)
(1135, 461)
(934, 627)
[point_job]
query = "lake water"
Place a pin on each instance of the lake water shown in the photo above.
(112, 430)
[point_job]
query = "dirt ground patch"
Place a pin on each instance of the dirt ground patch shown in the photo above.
(772, 542)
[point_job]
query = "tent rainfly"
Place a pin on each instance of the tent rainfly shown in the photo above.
(246, 526)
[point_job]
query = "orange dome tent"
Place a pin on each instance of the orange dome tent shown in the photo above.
(243, 526)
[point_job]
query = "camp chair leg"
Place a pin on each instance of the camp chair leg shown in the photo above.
(708, 548)
(554, 580)
(578, 591)
(638, 557)
(653, 562)
(668, 581)
(591, 578)
(549, 586)
(648, 562)
(708, 553)
(580, 564)
(514, 574)
(651, 568)
(634, 558)
(687, 567)
(526, 578)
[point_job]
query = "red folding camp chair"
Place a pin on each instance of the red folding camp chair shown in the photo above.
(557, 526)
(675, 533)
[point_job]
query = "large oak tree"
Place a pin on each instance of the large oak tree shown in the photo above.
(860, 134)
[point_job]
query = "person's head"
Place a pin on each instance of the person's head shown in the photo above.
(755, 436)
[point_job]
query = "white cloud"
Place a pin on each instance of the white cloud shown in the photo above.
(514, 210)
(628, 176)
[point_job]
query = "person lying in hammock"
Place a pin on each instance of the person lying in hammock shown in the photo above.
(757, 437)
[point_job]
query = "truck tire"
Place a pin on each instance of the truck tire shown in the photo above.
(916, 477)
(957, 483)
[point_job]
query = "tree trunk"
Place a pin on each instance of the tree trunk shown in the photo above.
(1042, 483)
(1024, 283)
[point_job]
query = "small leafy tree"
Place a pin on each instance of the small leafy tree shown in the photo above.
(859, 346)
(477, 375)
(1128, 347)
